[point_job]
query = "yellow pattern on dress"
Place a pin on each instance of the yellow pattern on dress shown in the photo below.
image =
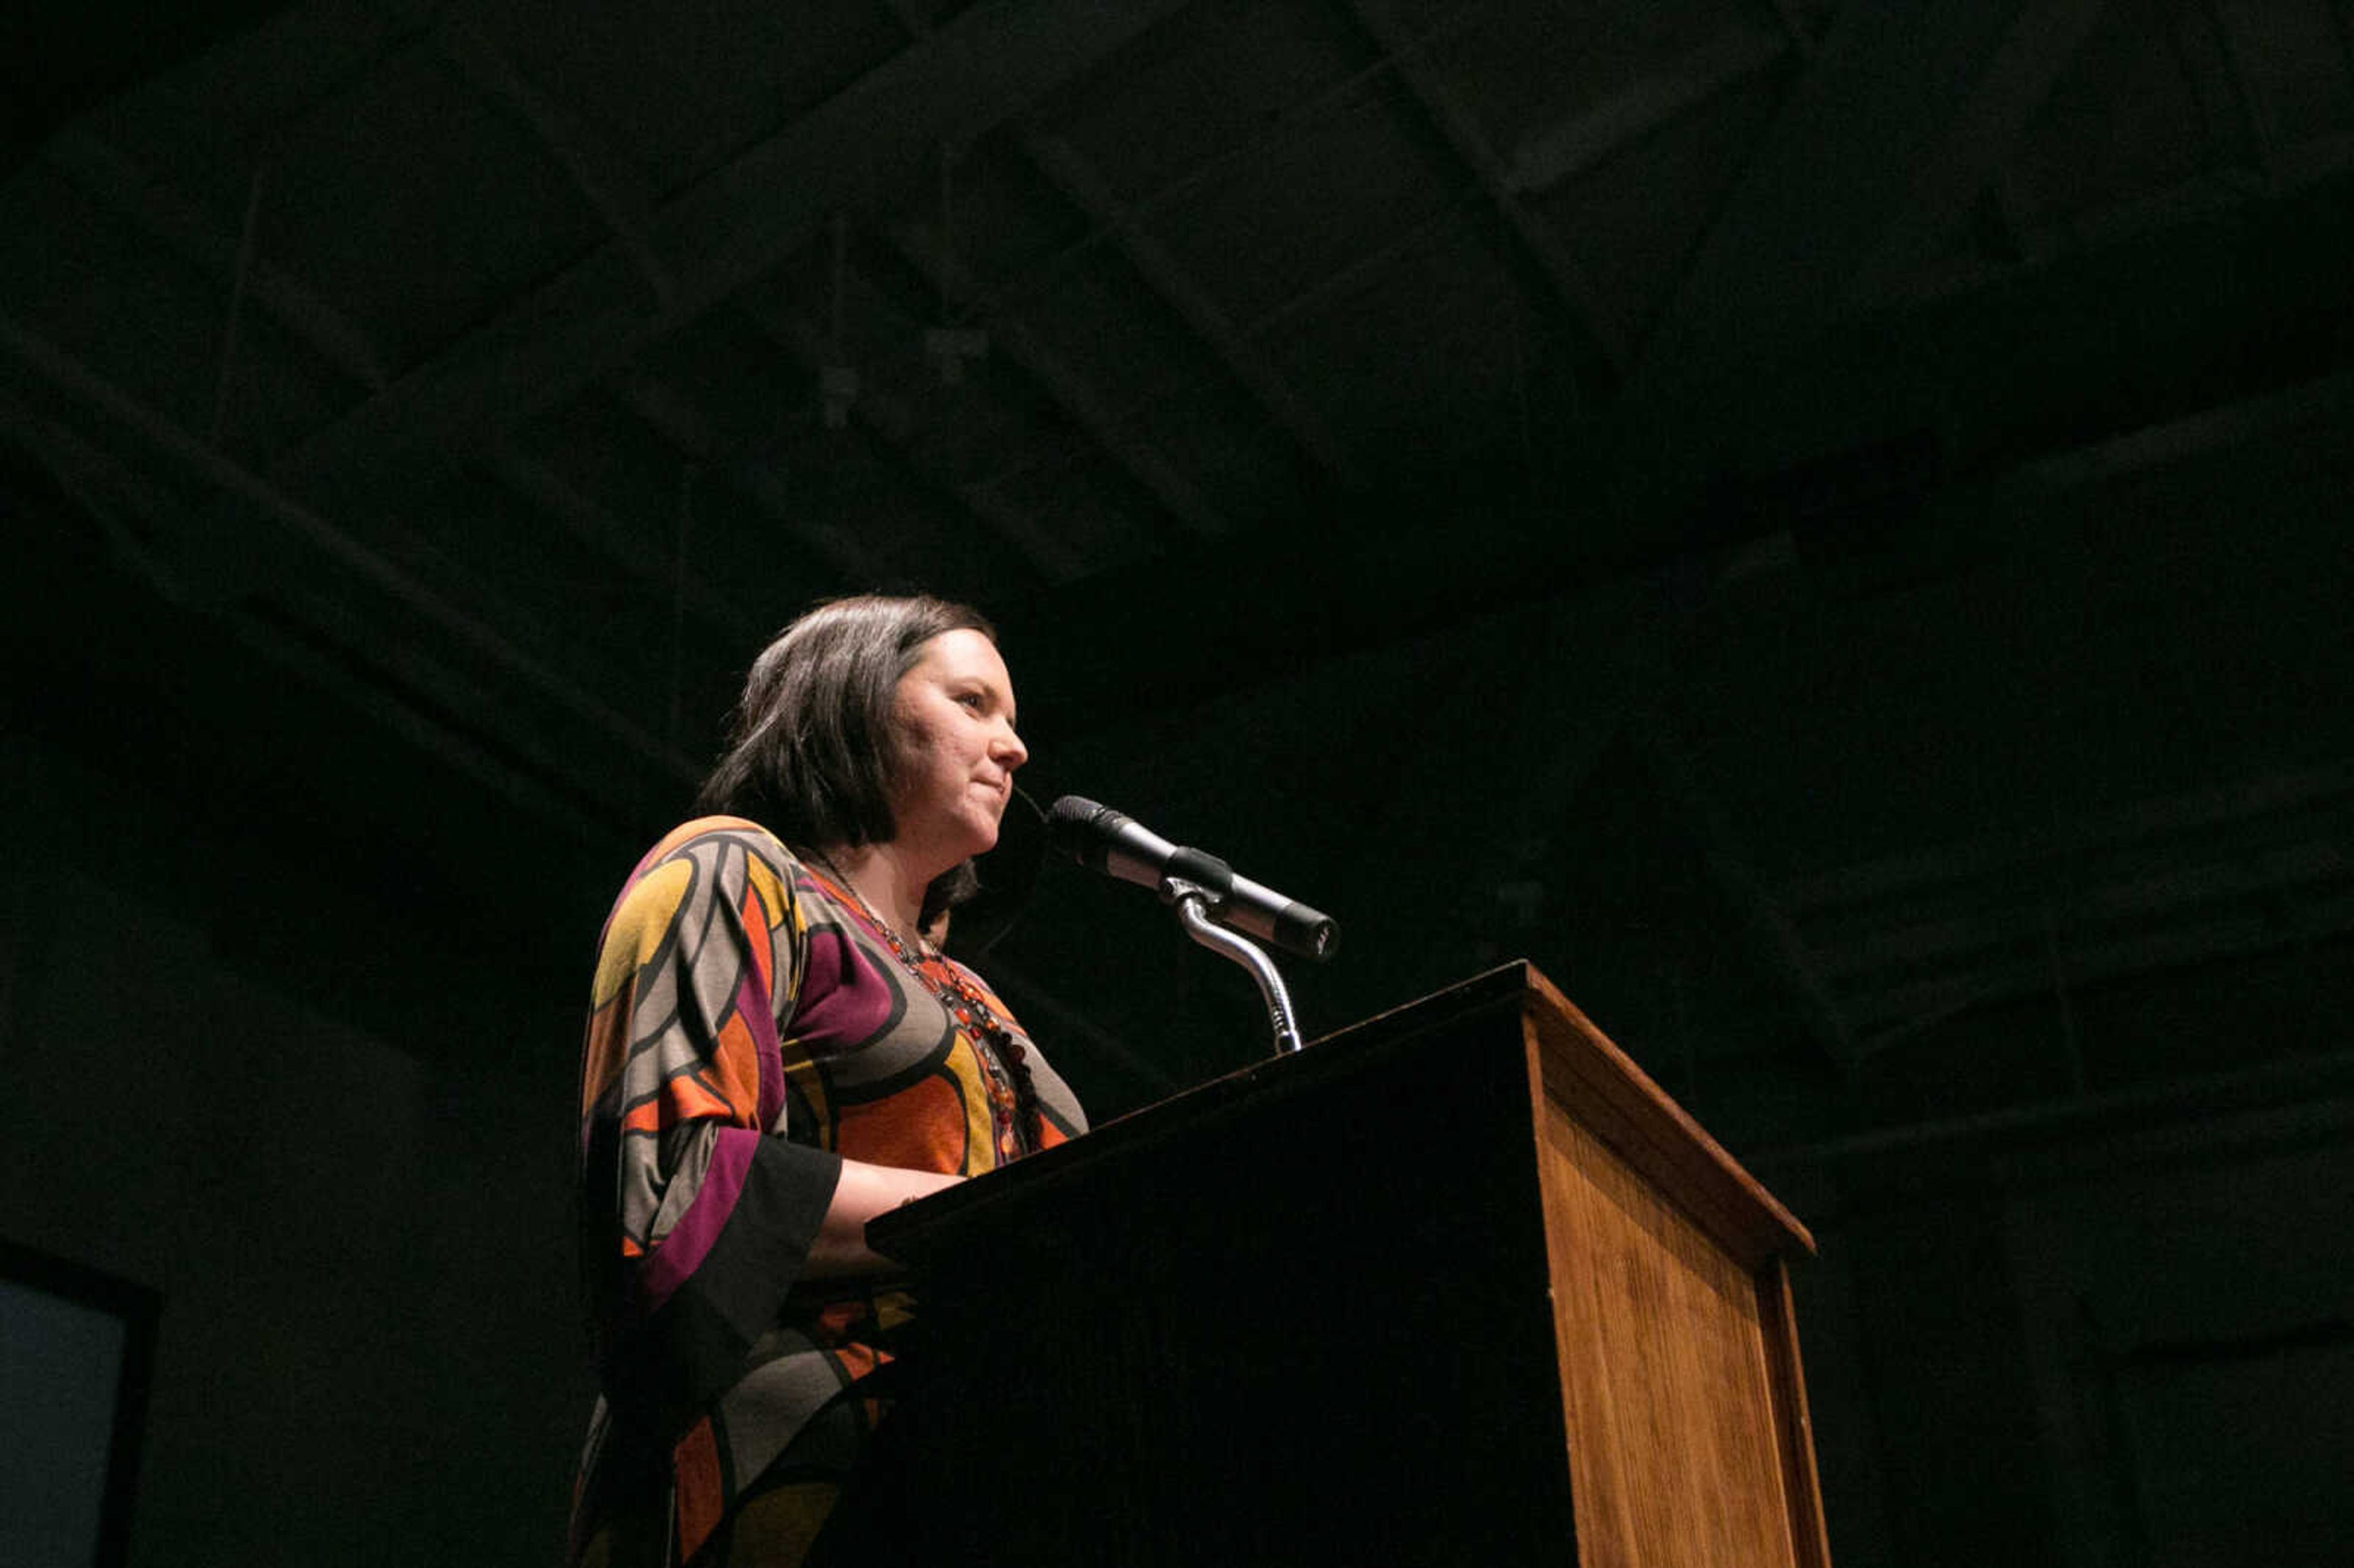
(638, 928)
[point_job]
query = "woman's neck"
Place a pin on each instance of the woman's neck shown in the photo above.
(893, 889)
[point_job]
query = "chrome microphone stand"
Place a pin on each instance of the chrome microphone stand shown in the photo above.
(1189, 899)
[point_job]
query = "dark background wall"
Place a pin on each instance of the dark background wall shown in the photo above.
(368, 1347)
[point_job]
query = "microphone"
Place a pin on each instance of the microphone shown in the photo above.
(1103, 839)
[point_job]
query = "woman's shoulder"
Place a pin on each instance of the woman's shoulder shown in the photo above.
(716, 854)
(705, 835)
(701, 865)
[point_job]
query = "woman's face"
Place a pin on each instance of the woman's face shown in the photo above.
(954, 714)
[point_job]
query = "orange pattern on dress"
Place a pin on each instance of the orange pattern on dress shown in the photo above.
(922, 1128)
(684, 1098)
(754, 913)
(702, 1495)
(607, 1044)
(738, 1061)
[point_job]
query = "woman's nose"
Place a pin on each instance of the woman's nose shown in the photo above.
(1010, 750)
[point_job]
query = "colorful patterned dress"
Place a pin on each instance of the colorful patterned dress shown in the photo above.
(749, 1030)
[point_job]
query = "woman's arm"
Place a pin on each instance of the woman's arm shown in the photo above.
(865, 1192)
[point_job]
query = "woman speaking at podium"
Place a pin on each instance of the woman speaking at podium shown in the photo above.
(775, 1055)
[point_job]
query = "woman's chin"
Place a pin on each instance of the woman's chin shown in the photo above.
(976, 837)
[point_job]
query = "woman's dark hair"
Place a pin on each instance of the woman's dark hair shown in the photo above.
(960, 884)
(812, 751)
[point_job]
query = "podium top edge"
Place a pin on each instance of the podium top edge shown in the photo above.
(1644, 1123)
(1582, 1067)
(901, 1231)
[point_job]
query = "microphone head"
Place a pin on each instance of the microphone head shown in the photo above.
(1080, 829)
(1071, 808)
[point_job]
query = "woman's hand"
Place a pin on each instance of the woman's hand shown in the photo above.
(865, 1192)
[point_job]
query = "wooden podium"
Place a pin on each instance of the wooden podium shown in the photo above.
(1457, 1284)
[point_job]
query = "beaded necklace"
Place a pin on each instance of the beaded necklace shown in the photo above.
(1004, 1062)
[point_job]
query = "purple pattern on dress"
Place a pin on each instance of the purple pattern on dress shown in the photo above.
(842, 999)
(682, 1252)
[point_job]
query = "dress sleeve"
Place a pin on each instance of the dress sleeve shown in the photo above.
(697, 1216)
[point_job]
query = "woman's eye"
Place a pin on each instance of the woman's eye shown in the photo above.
(970, 699)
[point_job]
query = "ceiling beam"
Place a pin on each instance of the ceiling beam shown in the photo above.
(64, 61)
(1773, 934)
(389, 680)
(364, 560)
(1911, 940)
(1826, 178)
(1601, 351)
(727, 229)
(1973, 929)
(1064, 387)
(174, 222)
(467, 722)
(892, 424)
(2239, 50)
(1566, 149)
(1345, 280)
(678, 421)
(620, 195)
(2129, 840)
(1982, 137)
(2200, 199)
(1382, 577)
(2314, 1088)
(613, 539)
(1069, 172)
(2322, 405)
(168, 216)
(114, 495)
(1071, 392)
(1801, 35)
(624, 198)
(1891, 1014)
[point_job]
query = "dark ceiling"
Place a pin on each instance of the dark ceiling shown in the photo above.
(1824, 523)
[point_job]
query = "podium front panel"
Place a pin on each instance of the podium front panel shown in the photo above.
(1315, 1313)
